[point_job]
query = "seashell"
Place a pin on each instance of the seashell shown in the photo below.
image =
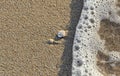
(62, 33)
(52, 41)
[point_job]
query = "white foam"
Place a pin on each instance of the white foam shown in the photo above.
(114, 56)
(87, 42)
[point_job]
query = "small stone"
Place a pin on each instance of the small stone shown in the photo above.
(62, 33)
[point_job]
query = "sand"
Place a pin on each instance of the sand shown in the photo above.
(110, 32)
(25, 28)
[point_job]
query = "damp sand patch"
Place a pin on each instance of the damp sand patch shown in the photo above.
(110, 32)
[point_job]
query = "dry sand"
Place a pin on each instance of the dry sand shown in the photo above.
(26, 26)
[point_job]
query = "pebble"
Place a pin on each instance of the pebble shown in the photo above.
(62, 33)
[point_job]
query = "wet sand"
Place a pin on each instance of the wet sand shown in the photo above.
(110, 32)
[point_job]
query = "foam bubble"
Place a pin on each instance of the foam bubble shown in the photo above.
(87, 41)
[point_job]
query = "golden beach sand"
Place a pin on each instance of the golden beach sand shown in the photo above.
(25, 28)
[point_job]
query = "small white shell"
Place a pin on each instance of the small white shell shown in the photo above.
(61, 33)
